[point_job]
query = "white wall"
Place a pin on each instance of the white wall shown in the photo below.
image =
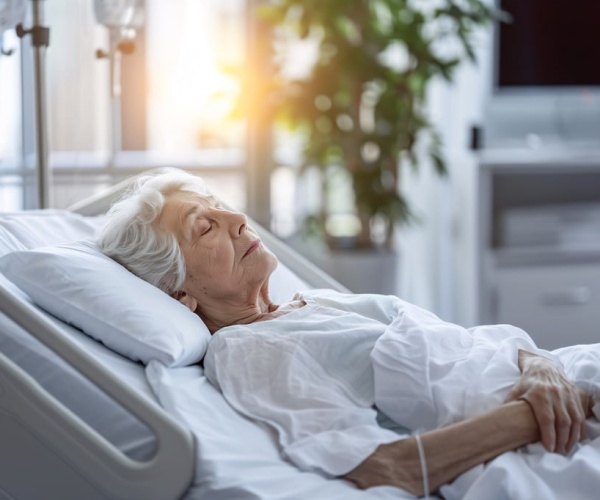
(439, 260)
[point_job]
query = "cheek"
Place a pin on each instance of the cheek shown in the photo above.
(195, 265)
(199, 283)
(207, 266)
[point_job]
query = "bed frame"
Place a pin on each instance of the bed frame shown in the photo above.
(48, 452)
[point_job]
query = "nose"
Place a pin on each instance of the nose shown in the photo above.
(237, 223)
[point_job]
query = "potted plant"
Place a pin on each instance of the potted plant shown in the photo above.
(360, 108)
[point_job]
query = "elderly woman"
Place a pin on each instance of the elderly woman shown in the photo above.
(322, 367)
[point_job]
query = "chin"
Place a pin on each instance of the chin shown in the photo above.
(272, 261)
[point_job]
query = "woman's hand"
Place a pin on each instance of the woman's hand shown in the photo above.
(559, 406)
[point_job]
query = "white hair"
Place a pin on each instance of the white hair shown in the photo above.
(131, 237)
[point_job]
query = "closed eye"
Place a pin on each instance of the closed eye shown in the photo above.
(206, 225)
(202, 226)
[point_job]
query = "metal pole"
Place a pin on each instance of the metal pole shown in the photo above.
(39, 59)
(115, 96)
(40, 39)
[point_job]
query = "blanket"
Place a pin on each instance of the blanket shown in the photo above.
(429, 373)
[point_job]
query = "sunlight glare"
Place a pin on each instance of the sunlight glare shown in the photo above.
(190, 90)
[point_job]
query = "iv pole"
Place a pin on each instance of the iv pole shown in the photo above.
(122, 20)
(40, 39)
(118, 46)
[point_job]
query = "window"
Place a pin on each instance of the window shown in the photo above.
(177, 89)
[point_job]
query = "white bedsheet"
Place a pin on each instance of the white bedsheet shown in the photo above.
(430, 373)
(236, 458)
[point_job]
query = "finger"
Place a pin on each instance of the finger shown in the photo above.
(548, 434)
(563, 429)
(578, 427)
(574, 434)
(587, 404)
(577, 412)
(583, 413)
(546, 424)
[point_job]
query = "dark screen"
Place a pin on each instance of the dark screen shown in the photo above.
(550, 43)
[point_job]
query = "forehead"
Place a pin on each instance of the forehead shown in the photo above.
(178, 206)
(181, 198)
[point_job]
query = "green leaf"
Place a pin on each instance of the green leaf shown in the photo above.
(350, 36)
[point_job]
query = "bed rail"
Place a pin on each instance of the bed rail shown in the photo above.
(38, 428)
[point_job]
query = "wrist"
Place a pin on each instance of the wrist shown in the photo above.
(452, 450)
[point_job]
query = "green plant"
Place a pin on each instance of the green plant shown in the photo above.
(362, 113)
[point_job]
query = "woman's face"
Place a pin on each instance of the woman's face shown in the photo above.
(225, 260)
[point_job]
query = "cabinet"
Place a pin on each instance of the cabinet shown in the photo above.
(539, 243)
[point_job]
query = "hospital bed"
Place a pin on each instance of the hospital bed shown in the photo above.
(81, 420)
(102, 397)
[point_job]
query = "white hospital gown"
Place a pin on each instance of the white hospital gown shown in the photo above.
(309, 375)
(315, 374)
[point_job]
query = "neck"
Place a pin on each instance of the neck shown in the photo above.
(225, 313)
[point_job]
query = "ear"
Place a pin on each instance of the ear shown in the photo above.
(187, 300)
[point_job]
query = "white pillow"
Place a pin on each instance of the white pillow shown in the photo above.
(8, 243)
(78, 284)
(38, 228)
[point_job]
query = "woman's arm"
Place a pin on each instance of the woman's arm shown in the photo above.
(559, 406)
(449, 451)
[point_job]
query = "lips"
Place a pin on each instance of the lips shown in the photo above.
(253, 246)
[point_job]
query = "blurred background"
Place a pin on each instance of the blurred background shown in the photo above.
(465, 179)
